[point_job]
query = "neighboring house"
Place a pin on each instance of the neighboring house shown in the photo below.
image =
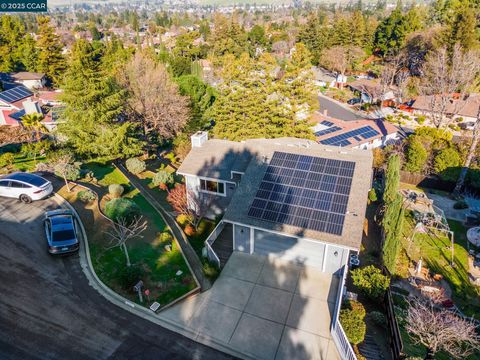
(371, 91)
(323, 78)
(19, 101)
(466, 108)
(359, 134)
(12, 105)
(285, 198)
(30, 80)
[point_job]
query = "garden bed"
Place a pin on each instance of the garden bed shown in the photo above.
(197, 240)
(151, 262)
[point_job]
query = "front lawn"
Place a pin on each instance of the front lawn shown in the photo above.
(155, 263)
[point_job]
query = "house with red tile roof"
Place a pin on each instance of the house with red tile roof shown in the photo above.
(359, 134)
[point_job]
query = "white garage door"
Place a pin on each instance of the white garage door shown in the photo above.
(300, 251)
(288, 248)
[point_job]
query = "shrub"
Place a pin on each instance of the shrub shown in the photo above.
(7, 159)
(445, 159)
(377, 317)
(460, 205)
(210, 270)
(370, 281)
(171, 156)
(189, 230)
(353, 323)
(86, 196)
(372, 195)
(183, 220)
(164, 179)
(135, 165)
(420, 119)
(121, 208)
(130, 275)
(416, 155)
(166, 237)
(115, 190)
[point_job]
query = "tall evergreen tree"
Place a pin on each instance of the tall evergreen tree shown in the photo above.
(315, 36)
(50, 57)
(12, 33)
(93, 108)
(252, 104)
(393, 214)
(462, 29)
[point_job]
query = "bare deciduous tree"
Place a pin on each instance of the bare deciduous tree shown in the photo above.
(470, 155)
(188, 202)
(441, 330)
(122, 230)
(64, 166)
(154, 98)
(445, 74)
(341, 58)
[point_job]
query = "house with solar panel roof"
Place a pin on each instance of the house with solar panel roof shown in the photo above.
(358, 134)
(286, 198)
(18, 101)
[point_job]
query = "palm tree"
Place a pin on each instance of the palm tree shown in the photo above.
(33, 121)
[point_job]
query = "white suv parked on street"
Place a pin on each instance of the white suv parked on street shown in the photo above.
(25, 186)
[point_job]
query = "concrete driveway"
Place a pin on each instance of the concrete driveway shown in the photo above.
(265, 309)
(48, 310)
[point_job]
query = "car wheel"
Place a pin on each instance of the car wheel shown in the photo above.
(25, 198)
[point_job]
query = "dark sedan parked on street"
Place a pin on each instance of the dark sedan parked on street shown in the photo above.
(61, 232)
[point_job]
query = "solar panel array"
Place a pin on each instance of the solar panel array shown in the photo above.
(304, 191)
(365, 132)
(327, 131)
(327, 123)
(15, 94)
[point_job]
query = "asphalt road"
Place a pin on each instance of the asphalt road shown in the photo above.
(335, 110)
(48, 310)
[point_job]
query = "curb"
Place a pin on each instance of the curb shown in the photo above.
(95, 282)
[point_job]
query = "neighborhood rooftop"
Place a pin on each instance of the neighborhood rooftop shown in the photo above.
(331, 131)
(253, 157)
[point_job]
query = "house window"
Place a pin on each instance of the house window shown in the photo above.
(212, 186)
(236, 176)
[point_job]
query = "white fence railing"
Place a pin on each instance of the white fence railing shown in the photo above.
(344, 348)
(209, 242)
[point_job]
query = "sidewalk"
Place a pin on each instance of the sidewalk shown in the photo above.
(192, 259)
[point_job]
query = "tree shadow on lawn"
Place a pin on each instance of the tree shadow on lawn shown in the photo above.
(159, 264)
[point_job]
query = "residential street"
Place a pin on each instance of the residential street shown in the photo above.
(49, 311)
(335, 110)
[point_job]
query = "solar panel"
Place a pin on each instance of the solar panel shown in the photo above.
(304, 191)
(328, 131)
(15, 94)
(326, 123)
(365, 132)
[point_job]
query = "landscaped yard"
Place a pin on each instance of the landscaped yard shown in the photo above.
(435, 249)
(197, 240)
(151, 261)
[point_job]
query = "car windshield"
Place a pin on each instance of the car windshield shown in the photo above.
(63, 235)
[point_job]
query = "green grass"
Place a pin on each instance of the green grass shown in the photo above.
(435, 249)
(160, 266)
(149, 252)
(106, 174)
(26, 163)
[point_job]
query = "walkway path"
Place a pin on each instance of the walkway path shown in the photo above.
(187, 249)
